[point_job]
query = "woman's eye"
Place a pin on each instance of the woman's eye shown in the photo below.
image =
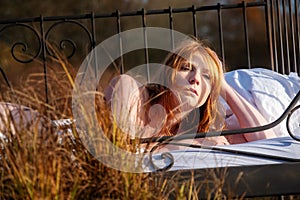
(206, 76)
(185, 68)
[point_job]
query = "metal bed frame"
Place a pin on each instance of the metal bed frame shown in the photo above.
(283, 41)
(247, 181)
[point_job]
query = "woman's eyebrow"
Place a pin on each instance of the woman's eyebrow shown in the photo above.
(187, 63)
(205, 70)
(202, 69)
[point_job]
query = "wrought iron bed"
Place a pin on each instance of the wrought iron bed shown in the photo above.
(281, 34)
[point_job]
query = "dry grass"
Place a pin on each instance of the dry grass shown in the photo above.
(40, 164)
(37, 166)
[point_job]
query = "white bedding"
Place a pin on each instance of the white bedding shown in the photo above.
(269, 91)
(193, 158)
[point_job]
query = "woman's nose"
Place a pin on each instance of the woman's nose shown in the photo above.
(195, 78)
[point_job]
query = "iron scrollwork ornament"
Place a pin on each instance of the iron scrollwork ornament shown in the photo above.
(20, 49)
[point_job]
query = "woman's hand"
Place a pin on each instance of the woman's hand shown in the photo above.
(208, 141)
(212, 141)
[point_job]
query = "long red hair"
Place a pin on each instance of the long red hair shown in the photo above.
(211, 117)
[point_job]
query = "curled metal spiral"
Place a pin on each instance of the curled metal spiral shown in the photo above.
(67, 42)
(64, 43)
(164, 155)
(21, 45)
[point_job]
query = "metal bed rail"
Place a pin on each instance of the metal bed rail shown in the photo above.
(281, 26)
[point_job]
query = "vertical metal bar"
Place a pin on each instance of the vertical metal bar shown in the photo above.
(297, 34)
(43, 43)
(171, 26)
(94, 43)
(146, 44)
(221, 33)
(274, 35)
(268, 16)
(281, 46)
(194, 21)
(122, 70)
(246, 34)
(93, 30)
(286, 36)
(292, 29)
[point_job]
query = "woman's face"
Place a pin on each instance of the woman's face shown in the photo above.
(192, 82)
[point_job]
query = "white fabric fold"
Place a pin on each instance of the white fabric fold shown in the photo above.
(269, 91)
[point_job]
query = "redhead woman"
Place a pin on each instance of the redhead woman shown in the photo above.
(187, 100)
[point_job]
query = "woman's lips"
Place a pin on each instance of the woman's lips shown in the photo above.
(194, 91)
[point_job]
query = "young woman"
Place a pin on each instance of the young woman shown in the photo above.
(187, 100)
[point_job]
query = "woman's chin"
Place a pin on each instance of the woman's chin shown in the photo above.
(190, 105)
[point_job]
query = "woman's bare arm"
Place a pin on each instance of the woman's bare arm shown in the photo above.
(246, 114)
(124, 98)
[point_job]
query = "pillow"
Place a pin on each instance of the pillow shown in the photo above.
(269, 91)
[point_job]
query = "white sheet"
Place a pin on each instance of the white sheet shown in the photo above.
(282, 147)
(269, 91)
